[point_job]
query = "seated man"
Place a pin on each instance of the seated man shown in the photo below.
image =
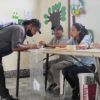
(59, 40)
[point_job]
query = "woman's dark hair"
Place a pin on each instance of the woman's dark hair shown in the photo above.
(83, 31)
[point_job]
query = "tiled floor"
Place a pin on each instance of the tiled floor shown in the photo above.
(26, 91)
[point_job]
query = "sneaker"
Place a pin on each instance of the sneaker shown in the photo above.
(44, 73)
(75, 93)
(77, 98)
(56, 91)
(9, 98)
(50, 88)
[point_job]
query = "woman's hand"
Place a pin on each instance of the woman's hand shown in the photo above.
(33, 46)
(41, 43)
(95, 45)
(60, 46)
(82, 46)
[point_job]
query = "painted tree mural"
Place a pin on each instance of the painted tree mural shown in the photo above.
(56, 14)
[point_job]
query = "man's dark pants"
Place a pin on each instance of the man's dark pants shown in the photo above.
(70, 74)
(3, 90)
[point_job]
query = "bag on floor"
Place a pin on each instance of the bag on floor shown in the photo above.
(89, 91)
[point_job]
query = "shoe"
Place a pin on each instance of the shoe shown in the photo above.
(44, 73)
(56, 91)
(75, 94)
(75, 97)
(50, 88)
(9, 98)
(78, 98)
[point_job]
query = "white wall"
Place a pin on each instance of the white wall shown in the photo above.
(92, 17)
(10, 61)
(20, 6)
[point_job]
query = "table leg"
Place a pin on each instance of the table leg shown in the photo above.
(17, 80)
(47, 68)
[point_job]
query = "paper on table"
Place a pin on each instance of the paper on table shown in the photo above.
(68, 48)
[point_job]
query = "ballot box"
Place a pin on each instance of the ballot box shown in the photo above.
(36, 72)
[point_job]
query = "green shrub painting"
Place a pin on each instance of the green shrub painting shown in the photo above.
(56, 13)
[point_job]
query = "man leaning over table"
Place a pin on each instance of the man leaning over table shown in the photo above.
(11, 39)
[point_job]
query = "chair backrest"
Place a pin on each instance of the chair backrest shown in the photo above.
(92, 34)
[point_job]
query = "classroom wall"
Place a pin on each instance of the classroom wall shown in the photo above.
(92, 17)
(20, 6)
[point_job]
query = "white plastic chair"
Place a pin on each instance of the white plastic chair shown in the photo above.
(82, 80)
(61, 83)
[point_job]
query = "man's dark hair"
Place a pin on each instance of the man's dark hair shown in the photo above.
(34, 22)
(58, 27)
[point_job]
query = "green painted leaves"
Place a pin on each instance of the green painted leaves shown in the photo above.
(56, 13)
